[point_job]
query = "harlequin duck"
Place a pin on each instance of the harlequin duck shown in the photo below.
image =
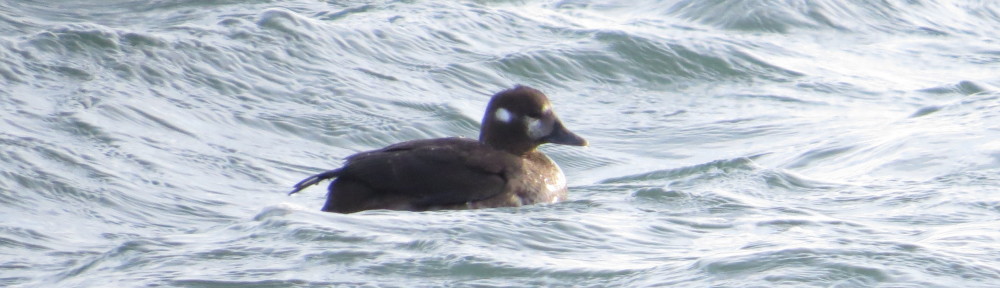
(501, 169)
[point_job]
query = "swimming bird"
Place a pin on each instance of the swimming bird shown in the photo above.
(503, 168)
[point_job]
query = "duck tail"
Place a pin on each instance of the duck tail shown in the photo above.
(313, 180)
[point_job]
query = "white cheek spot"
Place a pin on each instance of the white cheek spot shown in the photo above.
(503, 115)
(535, 129)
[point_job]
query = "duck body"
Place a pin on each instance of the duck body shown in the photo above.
(501, 169)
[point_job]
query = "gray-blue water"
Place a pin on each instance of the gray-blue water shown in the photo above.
(757, 143)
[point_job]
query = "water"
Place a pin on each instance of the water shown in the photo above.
(733, 143)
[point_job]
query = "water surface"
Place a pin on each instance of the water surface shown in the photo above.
(733, 143)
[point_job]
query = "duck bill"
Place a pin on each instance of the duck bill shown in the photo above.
(561, 135)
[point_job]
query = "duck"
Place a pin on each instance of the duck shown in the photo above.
(503, 168)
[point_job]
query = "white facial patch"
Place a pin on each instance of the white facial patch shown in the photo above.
(536, 128)
(503, 115)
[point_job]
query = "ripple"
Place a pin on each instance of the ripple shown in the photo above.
(749, 15)
(791, 16)
(126, 254)
(963, 87)
(742, 163)
(799, 265)
(735, 143)
(287, 22)
(656, 59)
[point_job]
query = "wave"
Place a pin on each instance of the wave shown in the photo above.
(901, 146)
(735, 143)
(913, 17)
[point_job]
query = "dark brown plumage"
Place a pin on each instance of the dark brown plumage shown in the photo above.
(501, 169)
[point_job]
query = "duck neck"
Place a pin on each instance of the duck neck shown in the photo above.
(511, 146)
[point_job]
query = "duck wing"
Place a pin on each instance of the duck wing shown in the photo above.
(433, 172)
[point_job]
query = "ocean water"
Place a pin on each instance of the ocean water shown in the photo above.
(756, 143)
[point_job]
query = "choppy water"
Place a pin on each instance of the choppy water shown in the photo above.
(733, 143)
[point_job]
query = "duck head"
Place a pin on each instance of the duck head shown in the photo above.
(520, 119)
